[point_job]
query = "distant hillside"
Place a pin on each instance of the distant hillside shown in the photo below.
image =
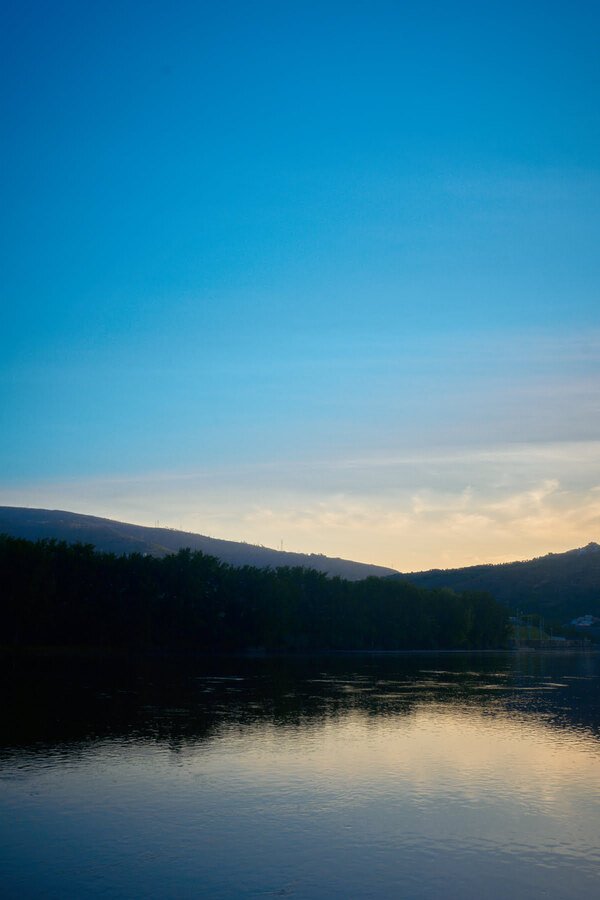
(560, 586)
(119, 537)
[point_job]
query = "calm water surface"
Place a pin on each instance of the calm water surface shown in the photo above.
(376, 777)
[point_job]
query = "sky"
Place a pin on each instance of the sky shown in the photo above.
(320, 275)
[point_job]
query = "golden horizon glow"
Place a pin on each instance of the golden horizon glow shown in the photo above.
(410, 513)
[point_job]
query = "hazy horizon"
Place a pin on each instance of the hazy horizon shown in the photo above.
(157, 524)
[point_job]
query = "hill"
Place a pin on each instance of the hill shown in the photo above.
(110, 536)
(559, 586)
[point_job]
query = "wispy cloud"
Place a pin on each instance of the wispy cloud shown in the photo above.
(410, 511)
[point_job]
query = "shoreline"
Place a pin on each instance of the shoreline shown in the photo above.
(122, 654)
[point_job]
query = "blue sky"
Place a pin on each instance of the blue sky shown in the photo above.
(262, 261)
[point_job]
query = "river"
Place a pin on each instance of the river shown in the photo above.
(451, 776)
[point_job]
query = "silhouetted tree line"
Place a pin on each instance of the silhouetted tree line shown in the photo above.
(53, 593)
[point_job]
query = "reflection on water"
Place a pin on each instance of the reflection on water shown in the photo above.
(377, 777)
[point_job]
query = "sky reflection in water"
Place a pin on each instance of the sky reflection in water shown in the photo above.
(388, 777)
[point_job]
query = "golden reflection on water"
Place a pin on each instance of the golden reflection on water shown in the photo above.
(434, 747)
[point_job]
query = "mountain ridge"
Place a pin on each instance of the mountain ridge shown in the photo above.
(113, 536)
(559, 586)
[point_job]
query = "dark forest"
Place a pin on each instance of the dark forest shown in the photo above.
(58, 594)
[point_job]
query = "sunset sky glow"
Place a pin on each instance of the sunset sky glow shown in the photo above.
(325, 274)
